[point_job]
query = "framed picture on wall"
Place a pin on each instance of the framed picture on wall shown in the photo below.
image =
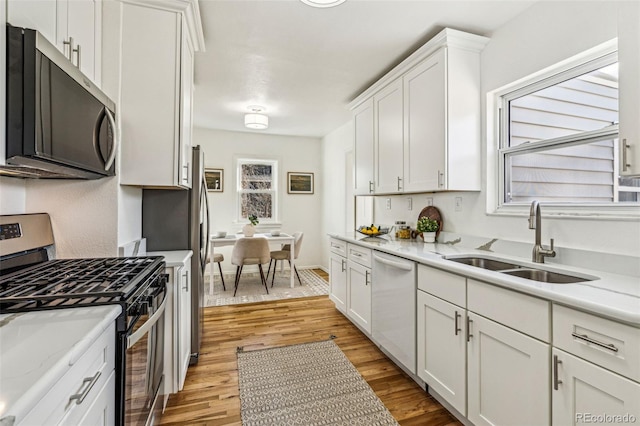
(214, 179)
(299, 183)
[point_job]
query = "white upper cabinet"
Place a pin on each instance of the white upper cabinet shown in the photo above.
(363, 170)
(157, 94)
(427, 119)
(73, 26)
(629, 90)
(388, 138)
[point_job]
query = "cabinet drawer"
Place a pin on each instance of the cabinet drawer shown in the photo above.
(338, 247)
(527, 314)
(86, 377)
(608, 343)
(444, 285)
(359, 255)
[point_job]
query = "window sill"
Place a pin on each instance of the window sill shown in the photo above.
(573, 212)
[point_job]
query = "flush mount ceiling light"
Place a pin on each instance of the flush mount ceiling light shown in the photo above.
(323, 3)
(255, 120)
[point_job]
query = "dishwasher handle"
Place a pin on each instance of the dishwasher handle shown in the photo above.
(394, 264)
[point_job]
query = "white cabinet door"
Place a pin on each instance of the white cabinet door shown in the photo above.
(73, 26)
(508, 376)
(338, 281)
(582, 391)
(388, 138)
(364, 146)
(184, 323)
(629, 92)
(424, 127)
(151, 97)
(442, 349)
(186, 112)
(359, 295)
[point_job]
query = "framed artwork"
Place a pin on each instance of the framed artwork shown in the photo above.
(214, 179)
(300, 183)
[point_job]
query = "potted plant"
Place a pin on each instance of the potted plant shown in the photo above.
(250, 228)
(427, 229)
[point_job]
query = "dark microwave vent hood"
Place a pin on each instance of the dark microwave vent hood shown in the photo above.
(26, 172)
(59, 125)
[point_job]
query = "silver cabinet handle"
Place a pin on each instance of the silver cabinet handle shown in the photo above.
(370, 187)
(356, 254)
(469, 335)
(588, 339)
(440, 179)
(625, 147)
(186, 281)
(343, 265)
(367, 274)
(68, 43)
(77, 52)
(79, 397)
(455, 326)
(556, 380)
(399, 183)
(116, 140)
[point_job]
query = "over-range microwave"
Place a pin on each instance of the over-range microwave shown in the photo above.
(59, 124)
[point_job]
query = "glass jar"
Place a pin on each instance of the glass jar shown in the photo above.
(403, 232)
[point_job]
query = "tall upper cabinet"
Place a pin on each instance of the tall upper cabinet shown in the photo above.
(156, 99)
(629, 88)
(425, 120)
(73, 26)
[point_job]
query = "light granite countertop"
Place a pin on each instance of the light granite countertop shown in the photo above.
(38, 348)
(613, 295)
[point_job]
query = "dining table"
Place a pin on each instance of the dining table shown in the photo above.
(230, 240)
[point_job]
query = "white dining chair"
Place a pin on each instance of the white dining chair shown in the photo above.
(285, 254)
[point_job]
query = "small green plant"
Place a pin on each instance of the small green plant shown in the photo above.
(426, 224)
(253, 219)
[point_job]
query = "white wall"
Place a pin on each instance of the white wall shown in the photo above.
(12, 196)
(335, 211)
(297, 212)
(544, 34)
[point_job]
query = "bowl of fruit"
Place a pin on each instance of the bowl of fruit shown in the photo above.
(373, 230)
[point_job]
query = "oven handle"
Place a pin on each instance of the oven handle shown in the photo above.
(133, 339)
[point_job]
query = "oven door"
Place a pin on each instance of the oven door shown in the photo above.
(145, 362)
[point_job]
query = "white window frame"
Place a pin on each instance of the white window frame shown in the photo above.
(497, 101)
(239, 161)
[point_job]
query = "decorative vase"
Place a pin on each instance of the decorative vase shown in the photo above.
(428, 237)
(248, 230)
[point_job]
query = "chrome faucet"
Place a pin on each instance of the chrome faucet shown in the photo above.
(535, 222)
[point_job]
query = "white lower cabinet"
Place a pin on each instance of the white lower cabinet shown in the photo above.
(338, 281)
(586, 393)
(508, 377)
(177, 351)
(359, 295)
(442, 349)
(85, 394)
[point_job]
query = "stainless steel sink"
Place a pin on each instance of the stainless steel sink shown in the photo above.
(545, 276)
(481, 262)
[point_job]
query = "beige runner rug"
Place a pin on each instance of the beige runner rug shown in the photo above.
(309, 384)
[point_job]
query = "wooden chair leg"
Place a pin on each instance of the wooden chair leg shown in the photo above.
(221, 276)
(269, 270)
(296, 270)
(264, 280)
(238, 272)
(273, 277)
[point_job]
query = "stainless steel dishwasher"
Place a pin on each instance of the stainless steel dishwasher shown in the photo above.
(393, 307)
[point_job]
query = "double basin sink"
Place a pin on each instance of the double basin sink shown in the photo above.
(521, 271)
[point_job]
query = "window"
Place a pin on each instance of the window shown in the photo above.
(257, 189)
(559, 139)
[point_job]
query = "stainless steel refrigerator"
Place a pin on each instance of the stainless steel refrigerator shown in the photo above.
(174, 219)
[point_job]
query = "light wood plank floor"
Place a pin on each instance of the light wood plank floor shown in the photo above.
(210, 395)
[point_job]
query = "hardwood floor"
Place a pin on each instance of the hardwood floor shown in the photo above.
(210, 394)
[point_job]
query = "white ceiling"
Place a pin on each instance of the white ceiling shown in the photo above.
(304, 64)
